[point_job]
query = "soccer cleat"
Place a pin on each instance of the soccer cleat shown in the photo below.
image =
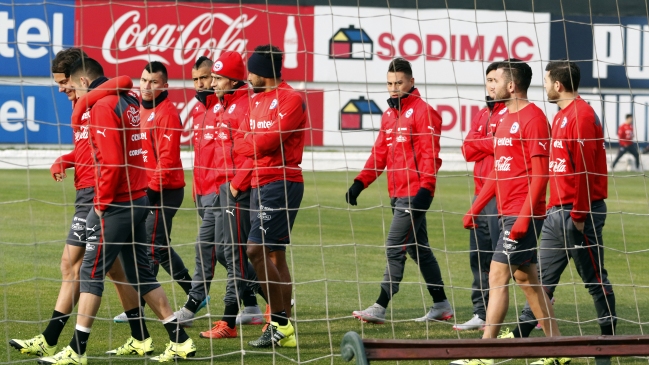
(373, 314)
(441, 311)
(250, 315)
(472, 362)
(220, 330)
(34, 346)
(274, 335)
(203, 304)
(266, 318)
(552, 361)
(289, 341)
(176, 351)
(184, 317)
(505, 334)
(122, 318)
(67, 356)
(134, 347)
(475, 323)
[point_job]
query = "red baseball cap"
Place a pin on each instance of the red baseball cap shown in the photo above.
(230, 65)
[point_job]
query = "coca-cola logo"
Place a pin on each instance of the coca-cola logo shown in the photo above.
(127, 40)
(82, 133)
(133, 116)
(559, 165)
(503, 163)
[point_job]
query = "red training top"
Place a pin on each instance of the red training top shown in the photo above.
(478, 146)
(204, 134)
(227, 162)
(161, 130)
(274, 138)
(408, 146)
(625, 134)
(519, 137)
(578, 173)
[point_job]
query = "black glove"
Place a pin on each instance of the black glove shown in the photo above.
(421, 201)
(353, 192)
(154, 196)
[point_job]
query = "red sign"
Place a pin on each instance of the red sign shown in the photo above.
(123, 37)
(185, 101)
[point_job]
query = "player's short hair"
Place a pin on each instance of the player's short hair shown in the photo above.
(566, 72)
(400, 65)
(270, 52)
(203, 61)
(628, 116)
(517, 71)
(64, 59)
(87, 67)
(492, 66)
(157, 66)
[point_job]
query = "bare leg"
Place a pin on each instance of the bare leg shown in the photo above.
(279, 259)
(157, 300)
(70, 265)
(88, 308)
(499, 275)
(527, 279)
(268, 275)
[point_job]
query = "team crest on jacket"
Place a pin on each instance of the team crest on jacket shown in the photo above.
(218, 66)
(503, 111)
(409, 113)
(151, 117)
(133, 116)
(564, 122)
(217, 107)
(232, 108)
(514, 128)
(273, 105)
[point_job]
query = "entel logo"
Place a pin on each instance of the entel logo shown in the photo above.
(506, 141)
(12, 114)
(557, 144)
(31, 36)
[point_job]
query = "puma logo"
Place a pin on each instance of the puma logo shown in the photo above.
(543, 145)
(230, 212)
(281, 115)
(76, 234)
(103, 133)
(263, 229)
(168, 137)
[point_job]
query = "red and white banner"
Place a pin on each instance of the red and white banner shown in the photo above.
(444, 46)
(125, 36)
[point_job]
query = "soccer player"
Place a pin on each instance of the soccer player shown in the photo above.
(519, 181)
(274, 140)
(408, 147)
(625, 135)
(116, 225)
(478, 147)
(84, 182)
(231, 221)
(576, 211)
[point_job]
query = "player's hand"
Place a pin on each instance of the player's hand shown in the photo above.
(469, 220)
(421, 202)
(519, 229)
(154, 196)
(99, 212)
(57, 171)
(579, 225)
(353, 192)
(234, 191)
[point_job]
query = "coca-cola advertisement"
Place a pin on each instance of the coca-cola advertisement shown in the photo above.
(125, 36)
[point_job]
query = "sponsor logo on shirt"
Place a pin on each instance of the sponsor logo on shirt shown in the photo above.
(503, 163)
(388, 131)
(151, 117)
(265, 124)
(81, 134)
(77, 227)
(86, 115)
(223, 135)
(90, 247)
(138, 152)
(409, 113)
(208, 136)
(232, 108)
(559, 165)
(557, 144)
(514, 128)
(273, 105)
(138, 136)
(401, 139)
(133, 116)
(505, 141)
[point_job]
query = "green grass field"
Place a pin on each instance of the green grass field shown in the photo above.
(336, 260)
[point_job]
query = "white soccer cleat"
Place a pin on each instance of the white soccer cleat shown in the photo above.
(250, 315)
(441, 311)
(472, 324)
(373, 314)
(184, 317)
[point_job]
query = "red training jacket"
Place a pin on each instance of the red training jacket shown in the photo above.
(478, 146)
(204, 137)
(274, 138)
(161, 130)
(113, 126)
(227, 162)
(625, 134)
(408, 146)
(578, 173)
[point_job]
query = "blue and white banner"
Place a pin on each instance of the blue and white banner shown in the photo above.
(612, 52)
(31, 33)
(34, 114)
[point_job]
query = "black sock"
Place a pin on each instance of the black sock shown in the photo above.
(176, 333)
(524, 329)
(438, 293)
(79, 341)
(607, 330)
(192, 304)
(55, 327)
(249, 300)
(280, 318)
(384, 299)
(142, 302)
(230, 314)
(138, 326)
(185, 282)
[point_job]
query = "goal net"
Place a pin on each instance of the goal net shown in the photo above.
(336, 57)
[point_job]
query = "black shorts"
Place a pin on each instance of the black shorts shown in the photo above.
(83, 203)
(521, 252)
(273, 208)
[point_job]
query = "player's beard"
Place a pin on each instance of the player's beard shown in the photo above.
(502, 96)
(553, 96)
